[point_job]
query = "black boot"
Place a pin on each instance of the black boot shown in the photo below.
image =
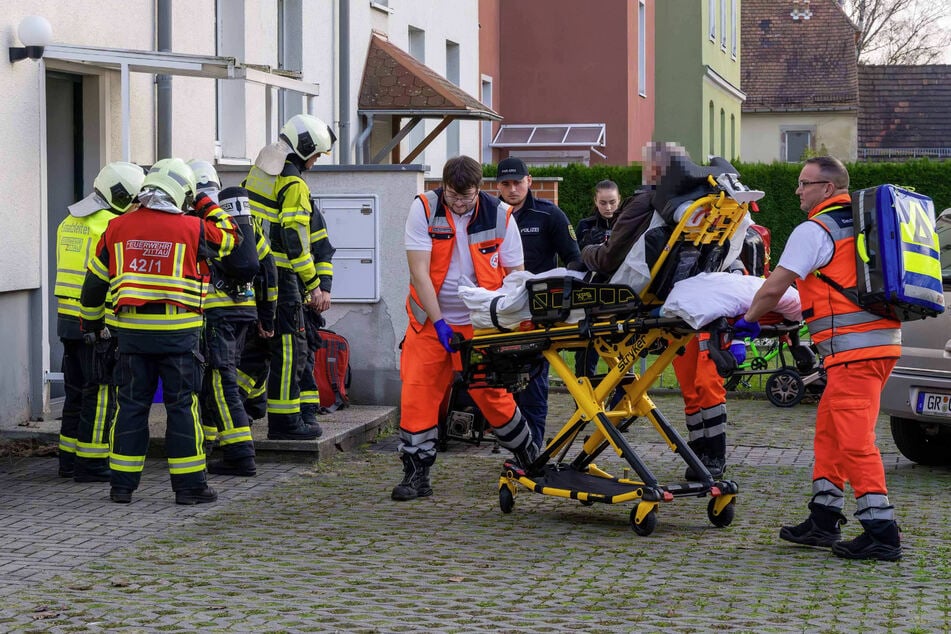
(244, 467)
(821, 528)
(415, 482)
(202, 495)
(699, 447)
(879, 540)
(294, 430)
(67, 464)
(91, 470)
(526, 456)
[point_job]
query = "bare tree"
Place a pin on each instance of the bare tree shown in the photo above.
(901, 31)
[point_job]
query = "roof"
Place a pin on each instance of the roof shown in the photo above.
(798, 55)
(394, 82)
(905, 106)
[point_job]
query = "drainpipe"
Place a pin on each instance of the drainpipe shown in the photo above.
(344, 79)
(163, 83)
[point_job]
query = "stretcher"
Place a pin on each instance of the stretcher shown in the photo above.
(623, 326)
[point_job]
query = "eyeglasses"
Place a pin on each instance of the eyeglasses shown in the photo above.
(453, 198)
(803, 184)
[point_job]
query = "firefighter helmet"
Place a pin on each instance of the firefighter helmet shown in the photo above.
(118, 183)
(206, 176)
(175, 178)
(307, 135)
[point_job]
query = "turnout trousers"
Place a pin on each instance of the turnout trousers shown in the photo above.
(222, 401)
(138, 378)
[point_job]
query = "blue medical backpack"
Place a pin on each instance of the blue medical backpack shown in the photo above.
(898, 258)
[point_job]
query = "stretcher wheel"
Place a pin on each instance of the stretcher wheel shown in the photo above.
(725, 518)
(647, 525)
(506, 499)
(784, 388)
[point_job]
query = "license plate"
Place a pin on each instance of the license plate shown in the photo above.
(933, 404)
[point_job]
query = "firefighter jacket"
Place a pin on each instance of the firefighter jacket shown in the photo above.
(76, 239)
(151, 262)
(485, 233)
(262, 303)
(841, 330)
(282, 205)
(321, 248)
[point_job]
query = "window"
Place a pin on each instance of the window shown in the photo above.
(734, 29)
(417, 48)
(487, 125)
(723, 24)
(712, 123)
(712, 11)
(722, 132)
(453, 75)
(232, 127)
(290, 55)
(795, 144)
(642, 48)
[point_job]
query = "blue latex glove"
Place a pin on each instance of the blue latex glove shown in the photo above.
(738, 350)
(746, 329)
(445, 332)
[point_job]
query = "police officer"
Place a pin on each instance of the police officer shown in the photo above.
(150, 257)
(280, 199)
(87, 369)
(547, 235)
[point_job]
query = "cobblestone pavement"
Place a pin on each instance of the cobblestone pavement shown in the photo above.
(322, 548)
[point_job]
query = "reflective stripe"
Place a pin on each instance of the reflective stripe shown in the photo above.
(859, 340)
(129, 464)
(185, 321)
(87, 450)
(235, 436)
(309, 397)
(275, 406)
(874, 506)
(827, 494)
(67, 444)
(189, 464)
(841, 319)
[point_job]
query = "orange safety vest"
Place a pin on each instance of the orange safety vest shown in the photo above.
(485, 232)
(841, 330)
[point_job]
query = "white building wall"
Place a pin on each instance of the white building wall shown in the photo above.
(761, 135)
(130, 24)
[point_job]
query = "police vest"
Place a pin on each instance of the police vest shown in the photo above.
(841, 330)
(485, 233)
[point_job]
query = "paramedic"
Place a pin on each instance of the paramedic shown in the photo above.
(547, 235)
(859, 350)
(453, 233)
(702, 388)
(150, 260)
(596, 229)
(280, 197)
(90, 401)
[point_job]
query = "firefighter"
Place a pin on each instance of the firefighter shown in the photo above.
(150, 257)
(90, 404)
(231, 311)
(280, 199)
(453, 233)
(859, 350)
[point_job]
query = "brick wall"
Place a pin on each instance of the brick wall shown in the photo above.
(542, 187)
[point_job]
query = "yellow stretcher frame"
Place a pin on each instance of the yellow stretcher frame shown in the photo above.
(493, 359)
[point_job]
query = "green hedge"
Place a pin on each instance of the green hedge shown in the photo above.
(779, 209)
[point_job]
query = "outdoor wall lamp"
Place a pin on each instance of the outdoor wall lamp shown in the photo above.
(34, 32)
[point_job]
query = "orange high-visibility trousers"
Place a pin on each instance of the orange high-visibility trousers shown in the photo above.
(700, 384)
(426, 371)
(844, 443)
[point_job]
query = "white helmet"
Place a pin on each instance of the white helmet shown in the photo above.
(206, 176)
(307, 135)
(118, 183)
(175, 178)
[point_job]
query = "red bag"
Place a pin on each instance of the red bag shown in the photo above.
(332, 370)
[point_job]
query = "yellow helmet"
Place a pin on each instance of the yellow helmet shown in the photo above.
(118, 183)
(175, 178)
(307, 135)
(205, 174)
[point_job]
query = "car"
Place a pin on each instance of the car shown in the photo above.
(917, 395)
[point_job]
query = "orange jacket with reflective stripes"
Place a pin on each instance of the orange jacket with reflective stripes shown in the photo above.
(485, 233)
(841, 330)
